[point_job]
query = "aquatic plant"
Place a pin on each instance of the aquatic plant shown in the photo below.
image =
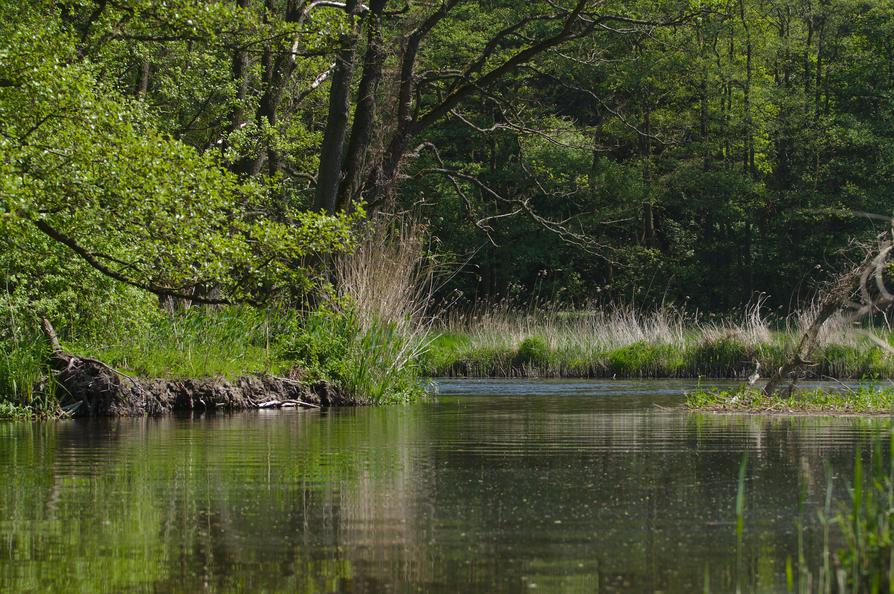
(864, 399)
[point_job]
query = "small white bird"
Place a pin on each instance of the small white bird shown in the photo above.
(752, 379)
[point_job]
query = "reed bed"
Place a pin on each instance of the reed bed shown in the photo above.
(626, 342)
(853, 551)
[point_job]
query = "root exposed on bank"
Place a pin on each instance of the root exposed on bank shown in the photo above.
(88, 387)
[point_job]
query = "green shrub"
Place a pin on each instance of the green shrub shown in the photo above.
(642, 359)
(533, 352)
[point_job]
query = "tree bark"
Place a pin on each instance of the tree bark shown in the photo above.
(329, 173)
(364, 114)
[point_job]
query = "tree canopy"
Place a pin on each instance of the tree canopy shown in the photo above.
(701, 151)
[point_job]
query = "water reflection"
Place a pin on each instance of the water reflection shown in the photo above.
(559, 486)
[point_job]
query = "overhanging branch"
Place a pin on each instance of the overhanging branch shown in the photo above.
(94, 261)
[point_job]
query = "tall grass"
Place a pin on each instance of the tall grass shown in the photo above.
(23, 355)
(624, 341)
(377, 330)
(857, 534)
(866, 523)
(196, 342)
(23, 389)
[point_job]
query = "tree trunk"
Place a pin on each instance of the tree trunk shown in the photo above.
(143, 79)
(364, 114)
(329, 172)
(748, 149)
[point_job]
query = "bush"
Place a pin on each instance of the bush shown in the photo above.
(372, 363)
(644, 359)
(533, 352)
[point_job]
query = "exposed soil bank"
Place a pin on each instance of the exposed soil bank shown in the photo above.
(88, 387)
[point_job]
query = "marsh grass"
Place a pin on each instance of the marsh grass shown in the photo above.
(622, 341)
(23, 353)
(866, 523)
(385, 287)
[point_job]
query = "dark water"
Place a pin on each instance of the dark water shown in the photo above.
(496, 486)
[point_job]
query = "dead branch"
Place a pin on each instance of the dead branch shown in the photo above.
(866, 282)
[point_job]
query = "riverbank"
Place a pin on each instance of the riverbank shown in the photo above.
(625, 343)
(211, 359)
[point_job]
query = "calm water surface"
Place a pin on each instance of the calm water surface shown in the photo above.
(497, 486)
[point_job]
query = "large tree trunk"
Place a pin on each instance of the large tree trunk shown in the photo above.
(364, 114)
(330, 172)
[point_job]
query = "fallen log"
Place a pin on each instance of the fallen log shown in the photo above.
(89, 387)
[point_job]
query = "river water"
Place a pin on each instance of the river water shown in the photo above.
(495, 486)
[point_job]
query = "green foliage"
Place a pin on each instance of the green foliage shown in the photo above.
(861, 400)
(443, 347)
(871, 359)
(370, 363)
(533, 352)
(646, 360)
(867, 524)
(723, 357)
(197, 342)
(88, 167)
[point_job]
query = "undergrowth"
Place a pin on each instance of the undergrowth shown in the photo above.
(366, 336)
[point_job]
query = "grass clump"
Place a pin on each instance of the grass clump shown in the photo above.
(371, 362)
(647, 360)
(533, 352)
(868, 399)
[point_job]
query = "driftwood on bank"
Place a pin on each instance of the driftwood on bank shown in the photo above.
(89, 387)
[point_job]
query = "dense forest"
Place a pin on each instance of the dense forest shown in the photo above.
(705, 153)
(691, 150)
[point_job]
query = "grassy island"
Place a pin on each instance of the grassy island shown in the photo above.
(861, 400)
